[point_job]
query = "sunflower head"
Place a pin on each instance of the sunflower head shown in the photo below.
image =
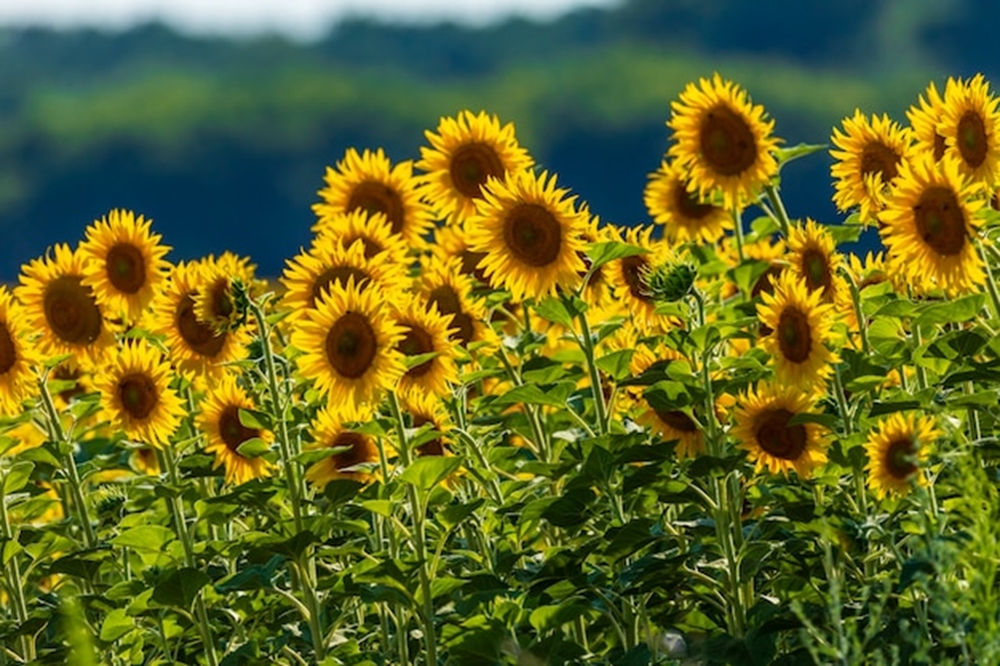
(354, 452)
(426, 331)
(18, 358)
(630, 277)
(924, 119)
(814, 258)
(896, 448)
(372, 230)
(970, 125)
(443, 285)
(672, 202)
(226, 432)
(427, 410)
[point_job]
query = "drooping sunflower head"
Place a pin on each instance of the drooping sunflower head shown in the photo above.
(813, 257)
(763, 430)
(929, 225)
(531, 234)
(683, 214)
(629, 277)
(18, 358)
(136, 394)
(722, 141)
(443, 285)
(799, 326)
(355, 452)
(896, 448)
(61, 308)
(372, 230)
(970, 125)
(465, 153)
(426, 331)
(369, 182)
(868, 155)
(924, 119)
(225, 432)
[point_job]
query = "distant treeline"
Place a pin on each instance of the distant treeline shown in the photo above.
(224, 142)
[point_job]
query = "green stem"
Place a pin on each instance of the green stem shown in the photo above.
(538, 433)
(16, 584)
(860, 316)
(779, 208)
(921, 371)
(991, 283)
(845, 415)
(587, 344)
(738, 226)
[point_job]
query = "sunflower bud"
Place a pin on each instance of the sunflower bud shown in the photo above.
(669, 282)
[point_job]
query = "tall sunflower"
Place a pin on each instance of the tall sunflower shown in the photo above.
(799, 325)
(61, 308)
(723, 141)
(929, 224)
(628, 276)
(357, 451)
(895, 450)
(372, 230)
(136, 394)
(868, 157)
(123, 263)
(349, 345)
(813, 257)
(924, 120)
(426, 409)
(369, 182)
(18, 358)
(673, 424)
(215, 303)
(530, 232)
(763, 430)
(443, 285)
(970, 125)
(683, 214)
(465, 152)
(426, 331)
(225, 432)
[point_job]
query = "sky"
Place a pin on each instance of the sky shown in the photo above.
(299, 19)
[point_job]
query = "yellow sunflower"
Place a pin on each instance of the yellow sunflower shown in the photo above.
(426, 331)
(452, 240)
(372, 230)
(62, 309)
(136, 395)
(17, 358)
(799, 325)
(895, 450)
(369, 182)
(763, 431)
(867, 161)
(628, 277)
(330, 430)
(723, 141)
(929, 225)
(671, 424)
(426, 409)
(684, 216)
(464, 154)
(813, 257)
(924, 120)
(123, 263)
(531, 235)
(214, 303)
(443, 285)
(349, 344)
(599, 292)
(225, 433)
(970, 125)
(144, 461)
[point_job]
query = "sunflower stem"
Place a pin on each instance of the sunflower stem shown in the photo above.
(860, 316)
(991, 283)
(15, 583)
(845, 415)
(597, 389)
(738, 227)
(541, 448)
(779, 208)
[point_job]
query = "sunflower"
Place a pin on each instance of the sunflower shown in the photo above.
(813, 257)
(136, 395)
(764, 432)
(868, 157)
(17, 358)
(444, 286)
(123, 263)
(225, 432)
(61, 308)
(673, 424)
(599, 291)
(372, 230)
(369, 182)
(425, 409)
(970, 125)
(530, 233)
(895, 452)
(215, 303)
(929, 225)
(924, 120)
(685, 216)
(465, 153)
(799, 327)
(628, 277)
(195, 348)
(144, 461)
(426, 331)
(452, 241)
(349, 344)
(724, 142)
(330, 430)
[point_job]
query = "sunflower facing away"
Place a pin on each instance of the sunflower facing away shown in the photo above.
(17, 358)
(929, 225)
(895, 451)
(684, 216)
(763, 431)
(225, 432)
(723, 141)
(530, 233)
(868, 156)
(136, 394)
(349, 344)
(426, 331)
(61, 308)
(357, 451)
(970, 125)
(464, 154)
(799, 325)
(123, 263)
(924, 119)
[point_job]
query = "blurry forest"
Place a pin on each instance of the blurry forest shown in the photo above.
(224, 142)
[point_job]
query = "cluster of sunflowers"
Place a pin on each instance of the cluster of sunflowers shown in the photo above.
(466, 302)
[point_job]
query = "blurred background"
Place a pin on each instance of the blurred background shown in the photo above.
(217, 120)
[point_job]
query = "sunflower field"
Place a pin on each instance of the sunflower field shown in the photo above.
(473, 424)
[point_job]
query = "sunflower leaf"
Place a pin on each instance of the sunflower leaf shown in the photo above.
(602, 253)
(786, 155)
(425, 473)
(251, 418)
(410, 362)
(958, 310)
(181, 587)
(254, 447)
(17, 477)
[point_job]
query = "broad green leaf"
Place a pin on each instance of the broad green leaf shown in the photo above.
(616, 363)
(560, 310)
(180, 588)
(381, 507)
(426, 472)
(257, 420)
(786, 155)
(602, 253)
(958, 310)
(410, 362)
(548, 618)
(254, 447)
(116, 624)
(17, 477)
(845, 233)
(532, 394)
(144, 537)
(571, 509)
(341, 491)
(456, 513)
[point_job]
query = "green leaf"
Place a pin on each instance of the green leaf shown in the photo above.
(532, 394)
(958, 310)
(602, 253)
(144, 537)
(381, 507)
(181, 587)
(254, 447)
(116, 624)
(427, 472)
(456, 513)
(410, 362)
(879, 408)
(17, 477)
(571, 509)
(548, 618)
(786, 155)
(828, 421)
(845, 233)
(616, 363)
(341, 491)
(252, 418)
(561, 310)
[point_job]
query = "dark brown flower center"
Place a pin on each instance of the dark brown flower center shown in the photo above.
(940, 221)
(360, 451)
(777, 438)
(222, 304)
(448, 303)
(471, 165)
(727, 142)
(372, 197)
(351, 345)
(972, 139)
(435, 447)
(688, 204)
(633, 269)
(677, 420)
(138, 395)
(8, 350)
(198, 336)
(470, 265)
(338, 275)
(794, 335)
(532, 234)
(71, 311)
(231, 429)
(876, 157)
(995, 200)
(126, 268)
(900, 458)
(64, 373)
(417, 341)
(939, 147)
(816, 268)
